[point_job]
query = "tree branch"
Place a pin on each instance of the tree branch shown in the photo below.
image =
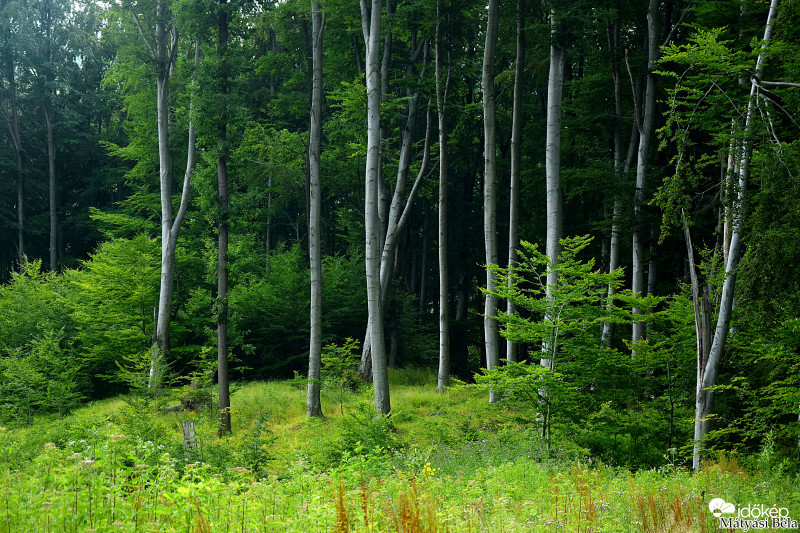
(141, 34)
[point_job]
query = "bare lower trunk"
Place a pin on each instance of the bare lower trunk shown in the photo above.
(371, 21)
(516, 130)
(51, 172)
(313, 404)
(223, 227)
(553, 183)
(20, 213)
(444, 292)
(638, 286)
(169, 228)
(707, 375)
(621, 169)
(490, 329)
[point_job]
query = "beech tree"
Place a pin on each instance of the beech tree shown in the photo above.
(555, 85)
(648, 115)
(371, 27)
(490, 331)
(516, 142)
(444, 292)
(313, 406)
(162, 44)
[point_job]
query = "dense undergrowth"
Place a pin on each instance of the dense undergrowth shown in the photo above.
(448, 463)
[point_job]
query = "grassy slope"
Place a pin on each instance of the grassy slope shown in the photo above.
(454, 464)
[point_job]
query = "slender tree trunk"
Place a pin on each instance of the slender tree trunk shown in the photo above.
(164, 52)
(444, 290)
(20, 212)
(707, 377)
(555, 86)
(223, 227)
(371, 23)
(490, 328)
(12, 122)
(400, 206)
(313, 404)
(516, 131)
(49, 116)
(620, 172)
(648, 120)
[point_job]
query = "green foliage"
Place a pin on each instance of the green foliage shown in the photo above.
(360, 432)
(31, 304)
(568, 320)
(340, 368)
(112, 300)
(43, 377)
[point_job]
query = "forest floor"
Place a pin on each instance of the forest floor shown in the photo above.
(450, 463)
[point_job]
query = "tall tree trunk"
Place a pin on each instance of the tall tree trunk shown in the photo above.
(516, 131)
(620, 170)
(223, 226)
(313, 404)
(164, 51)
(490, 328)
(400, 206)
(444, 290)
(555, 86)
(12, 123)
(49, 116)
(638, 286)
(371, 23)
(707, 375)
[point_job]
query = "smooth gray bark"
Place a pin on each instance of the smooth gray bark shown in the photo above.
(516, 132)
(490, 328)
(400, 207)
(638, 281)
(371, 24)
(555, 86)
(707, 375)
(444, 291)
(313, 404)
(164, 51)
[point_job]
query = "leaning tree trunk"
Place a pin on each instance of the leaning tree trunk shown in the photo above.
(707, 376)
(555, 86)
(490, 329)
(516, 131)
(313, 404)
(371, 23)
(646, 132)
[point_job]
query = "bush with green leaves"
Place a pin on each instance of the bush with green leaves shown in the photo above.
(340, 368)
(615, 403)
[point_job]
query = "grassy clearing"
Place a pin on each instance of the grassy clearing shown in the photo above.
(453, 463)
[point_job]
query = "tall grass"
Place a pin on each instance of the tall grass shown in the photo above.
(451, 463)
